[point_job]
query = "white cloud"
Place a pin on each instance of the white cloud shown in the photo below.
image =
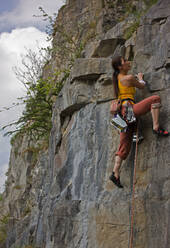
(11, 46)
(22, 15)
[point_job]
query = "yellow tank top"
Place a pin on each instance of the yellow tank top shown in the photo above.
(126, 91)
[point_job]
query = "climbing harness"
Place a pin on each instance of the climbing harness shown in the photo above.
(127, 110)
(133, 194)
(129, 114)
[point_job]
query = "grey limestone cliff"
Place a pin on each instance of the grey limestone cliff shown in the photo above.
(62, 198)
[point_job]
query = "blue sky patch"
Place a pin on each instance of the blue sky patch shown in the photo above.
(8, 5)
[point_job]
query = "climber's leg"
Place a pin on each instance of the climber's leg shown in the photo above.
(124, 149)
(155, 118)
(117, 166)
(153, 104)
(146, 105)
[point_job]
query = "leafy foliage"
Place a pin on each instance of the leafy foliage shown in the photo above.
(149, 3)
(3, 235)
(49, 19)
(36, 117)
(68, 44)
(5, 219)
(130, 30)
(42, 82)
(131, 10)
(3, 228)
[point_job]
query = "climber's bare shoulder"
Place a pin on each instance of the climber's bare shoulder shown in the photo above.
(130, 81)
(126, 80)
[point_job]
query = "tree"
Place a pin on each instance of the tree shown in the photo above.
(38, 101)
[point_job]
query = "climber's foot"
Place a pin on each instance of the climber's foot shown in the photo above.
(161, 132)
(115, 180)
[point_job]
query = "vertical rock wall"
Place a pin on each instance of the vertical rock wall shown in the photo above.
(72, 202)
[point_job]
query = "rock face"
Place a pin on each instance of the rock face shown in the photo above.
(62, 197)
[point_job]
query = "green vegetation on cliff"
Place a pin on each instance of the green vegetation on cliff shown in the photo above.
(43, 83)
(36, 117)
(3, 228)
(131, 9)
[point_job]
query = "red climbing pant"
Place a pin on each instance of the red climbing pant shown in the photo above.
(139, 109)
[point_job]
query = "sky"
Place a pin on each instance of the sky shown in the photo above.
(19, 30)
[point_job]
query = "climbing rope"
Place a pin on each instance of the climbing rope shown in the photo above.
(133, 193)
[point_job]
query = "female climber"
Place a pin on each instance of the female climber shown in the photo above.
(124, 86)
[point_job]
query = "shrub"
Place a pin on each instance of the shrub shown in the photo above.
(1, 197)
(131, 10)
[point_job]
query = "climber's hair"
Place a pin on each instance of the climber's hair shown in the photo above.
(116, 62)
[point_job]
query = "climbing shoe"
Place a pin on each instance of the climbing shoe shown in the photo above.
(115, 180)
(160, 132)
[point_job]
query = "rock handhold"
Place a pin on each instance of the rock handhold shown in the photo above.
(90, 69)
(107, 47)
